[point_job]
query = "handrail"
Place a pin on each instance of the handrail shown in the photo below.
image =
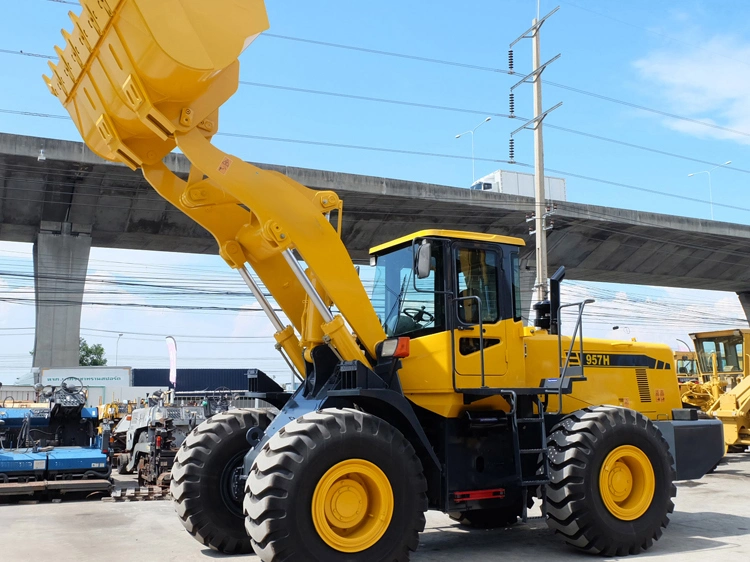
(577, 333)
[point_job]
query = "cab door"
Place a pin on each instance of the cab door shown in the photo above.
(477, 273)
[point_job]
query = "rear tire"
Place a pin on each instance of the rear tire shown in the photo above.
(201, 479)
(577, 508)
(284, 487)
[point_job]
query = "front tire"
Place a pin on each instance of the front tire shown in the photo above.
(202, 473)
(333, 486)
(611, 484)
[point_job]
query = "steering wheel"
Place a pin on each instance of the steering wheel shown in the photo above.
(72, 385)
(220, 392)
(419, 315)
(13, 402)
(47, 391)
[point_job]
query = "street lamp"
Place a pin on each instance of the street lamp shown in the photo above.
(473, 175)
(117, 350)
(683, 343)
(710, 191)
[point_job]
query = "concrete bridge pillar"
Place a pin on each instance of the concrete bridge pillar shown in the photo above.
(61, 257)
(745, 302)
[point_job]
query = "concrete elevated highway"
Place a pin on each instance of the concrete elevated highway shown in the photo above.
(73, 200)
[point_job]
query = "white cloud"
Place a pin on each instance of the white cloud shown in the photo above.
(708, 83)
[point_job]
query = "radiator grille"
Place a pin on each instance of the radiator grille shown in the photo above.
(643, 389)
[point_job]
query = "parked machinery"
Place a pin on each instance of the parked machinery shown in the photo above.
(53, 447)
(717, 387)
(723, 363)
(429, 394)
(110, 416)
(152, 435)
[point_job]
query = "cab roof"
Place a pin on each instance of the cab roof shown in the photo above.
(460, 234)
(720, 333)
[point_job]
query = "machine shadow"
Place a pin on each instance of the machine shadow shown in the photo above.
(687, 532)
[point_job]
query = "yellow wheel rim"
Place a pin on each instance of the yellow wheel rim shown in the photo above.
(352, 505)
(627, 482)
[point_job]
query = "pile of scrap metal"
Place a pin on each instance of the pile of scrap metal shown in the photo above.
(152, 436)
(53, 447)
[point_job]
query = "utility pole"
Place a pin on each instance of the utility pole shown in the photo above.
(539, 205)
(540, 209)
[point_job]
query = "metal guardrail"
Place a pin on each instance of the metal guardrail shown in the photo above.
(565, 368)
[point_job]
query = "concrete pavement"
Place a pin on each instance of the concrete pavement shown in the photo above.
(711, 522)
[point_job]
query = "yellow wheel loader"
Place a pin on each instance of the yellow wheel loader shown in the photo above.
(428, 393)
(723, 367)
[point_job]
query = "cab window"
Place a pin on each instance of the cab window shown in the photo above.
(728, 351)
(477, 276)
(403, 309)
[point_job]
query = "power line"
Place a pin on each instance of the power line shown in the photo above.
(389, 53)
(480, 112)
(410, 104)
(27, 54)
(429, 154)
(649, 109)
(309, 142)
(487, 69)
(446, 108)
(512, 73)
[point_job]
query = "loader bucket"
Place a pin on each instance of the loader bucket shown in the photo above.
(134, 72)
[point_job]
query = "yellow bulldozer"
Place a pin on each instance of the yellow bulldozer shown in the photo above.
(429, 393)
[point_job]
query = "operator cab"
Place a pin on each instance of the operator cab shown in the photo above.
(478, 273)
(464, 283)
(727, 348)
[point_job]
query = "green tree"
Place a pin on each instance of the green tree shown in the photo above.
(91, 355)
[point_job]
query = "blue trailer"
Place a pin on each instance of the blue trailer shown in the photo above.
(55, 447)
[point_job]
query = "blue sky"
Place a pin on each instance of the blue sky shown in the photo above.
(686, 58)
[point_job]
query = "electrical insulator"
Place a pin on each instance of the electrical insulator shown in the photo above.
(510, 60)
(512, 104)
(512, 150)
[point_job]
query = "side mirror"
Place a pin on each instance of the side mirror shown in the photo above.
(424, 257)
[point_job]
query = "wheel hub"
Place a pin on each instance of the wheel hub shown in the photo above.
(346, 503)
(627, 482)
(620, 481)
(352, 506)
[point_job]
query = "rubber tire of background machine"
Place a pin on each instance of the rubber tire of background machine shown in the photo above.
(122, 466)
(140, 460)
(196, 479)
(280, 487)
(578, 446)
(492, 518)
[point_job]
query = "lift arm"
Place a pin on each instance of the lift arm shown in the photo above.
(140, 78)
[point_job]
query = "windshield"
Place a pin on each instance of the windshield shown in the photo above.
(402, 309)
(728, 350)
